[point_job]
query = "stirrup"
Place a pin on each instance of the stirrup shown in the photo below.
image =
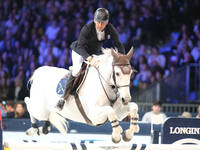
(60, 104)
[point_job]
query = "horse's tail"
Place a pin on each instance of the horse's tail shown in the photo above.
(59, 122)
(29, 83)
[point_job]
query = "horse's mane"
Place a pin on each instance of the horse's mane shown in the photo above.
(107, 51)
(105, 56)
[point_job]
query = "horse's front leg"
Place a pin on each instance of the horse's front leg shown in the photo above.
(107, 112)
(117, 129)
(134, 127)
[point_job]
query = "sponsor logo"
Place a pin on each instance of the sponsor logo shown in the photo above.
(184, 130)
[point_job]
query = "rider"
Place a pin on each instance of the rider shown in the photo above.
(90, 41)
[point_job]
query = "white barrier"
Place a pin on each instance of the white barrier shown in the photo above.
(81, 146)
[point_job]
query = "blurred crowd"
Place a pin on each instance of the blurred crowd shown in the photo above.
(12, 109)
(165, 34)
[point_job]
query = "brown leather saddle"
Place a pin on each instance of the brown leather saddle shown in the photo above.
(78, 80)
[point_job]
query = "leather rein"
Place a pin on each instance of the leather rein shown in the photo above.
(114, 87)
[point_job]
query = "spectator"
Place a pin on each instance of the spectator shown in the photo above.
(187, 59)
(52, 30)
(141, 51)
(20, 110)
(186, 114)
(196, 52)
(141, 60)
(196, 29)
(144, 74)
(123, 36)
(185, 40)
(156, 59)
(4, 86)
(155, 116)
(18, 90)
(10, 109)
(3, 109)
(158, 74)
(198, 112)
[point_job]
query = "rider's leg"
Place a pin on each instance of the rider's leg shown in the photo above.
(77, 61)
(68, 85)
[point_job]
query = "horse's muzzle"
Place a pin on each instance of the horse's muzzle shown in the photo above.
(126, 100)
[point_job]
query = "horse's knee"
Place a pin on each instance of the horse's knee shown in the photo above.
(134, 107)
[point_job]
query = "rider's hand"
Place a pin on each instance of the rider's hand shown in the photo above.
(89, 59)
(94, 62)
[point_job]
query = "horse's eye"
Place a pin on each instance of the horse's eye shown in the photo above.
(112, 86)
(117, 74)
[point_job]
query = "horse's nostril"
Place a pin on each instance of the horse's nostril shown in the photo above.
(123, 100)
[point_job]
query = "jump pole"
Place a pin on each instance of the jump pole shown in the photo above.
(97, 146)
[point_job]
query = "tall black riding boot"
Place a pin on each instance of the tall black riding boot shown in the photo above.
(68, 86)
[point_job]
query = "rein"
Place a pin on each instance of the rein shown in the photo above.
(115, 90)
(116, 87)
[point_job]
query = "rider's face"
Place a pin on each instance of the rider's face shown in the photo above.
(100, 25)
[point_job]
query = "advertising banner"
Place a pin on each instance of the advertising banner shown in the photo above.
(181, 131)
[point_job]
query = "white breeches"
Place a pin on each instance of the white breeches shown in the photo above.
(77, 61)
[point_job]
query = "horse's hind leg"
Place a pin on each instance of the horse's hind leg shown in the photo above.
(46, 127)
(128, 134)
(34, 129)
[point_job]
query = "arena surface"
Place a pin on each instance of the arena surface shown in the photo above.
(69, 138)
(74, 141)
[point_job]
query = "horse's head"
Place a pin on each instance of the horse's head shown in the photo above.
(121, 74)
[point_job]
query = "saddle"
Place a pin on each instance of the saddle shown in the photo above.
(80, 78)
(77, 81)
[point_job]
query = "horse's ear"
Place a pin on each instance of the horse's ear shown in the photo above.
(114, 54)
(130, 53)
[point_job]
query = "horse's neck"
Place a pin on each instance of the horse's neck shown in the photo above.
(105, 68)
(95, 79)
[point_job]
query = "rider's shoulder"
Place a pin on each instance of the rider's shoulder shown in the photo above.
(89, 25)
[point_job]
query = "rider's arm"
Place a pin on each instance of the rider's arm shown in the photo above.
(82, 46)
(115, 38)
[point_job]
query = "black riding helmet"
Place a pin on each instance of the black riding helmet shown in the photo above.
(101, 15)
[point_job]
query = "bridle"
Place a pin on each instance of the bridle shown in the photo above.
(114, 86)
(114, 76)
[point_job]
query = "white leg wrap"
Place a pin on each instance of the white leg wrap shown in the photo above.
(128, 134)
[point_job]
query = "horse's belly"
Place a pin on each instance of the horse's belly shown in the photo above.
(71, 111)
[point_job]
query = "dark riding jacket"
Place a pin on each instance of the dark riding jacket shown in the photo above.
(88, 43)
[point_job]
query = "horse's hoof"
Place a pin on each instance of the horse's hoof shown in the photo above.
(116, 140)
(126, 136)
(32, 131)
(45, 131)
(137, 129)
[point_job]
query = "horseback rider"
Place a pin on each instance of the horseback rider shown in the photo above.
(90, 41)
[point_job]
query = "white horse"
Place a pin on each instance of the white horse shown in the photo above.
(104, 95)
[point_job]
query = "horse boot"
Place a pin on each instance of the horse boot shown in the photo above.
(69, 83)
